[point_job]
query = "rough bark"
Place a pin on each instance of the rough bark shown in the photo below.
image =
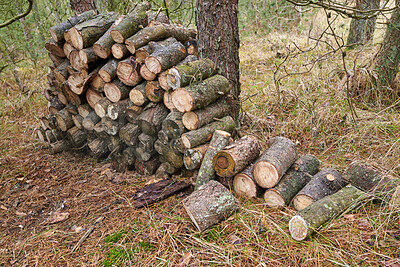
(151, 118)
(128, 71)
(55, 106)
(124, 161)
(102, 47)
(119, 51)
(118, 109)
(138, 95)
(57, 31)
(109, 70)
(172, 125)
(55, 48)
(116, 90)
(164, 57)
(145, 51)
(129, 134)
(76, 136)
(194, 156)
(78, 119)
(153, 91)
(60, 73)
(170, 154)
(99, 147)
(147, 167)
(90, 121)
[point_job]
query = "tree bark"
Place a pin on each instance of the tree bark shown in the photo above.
(147, 167)
(129, 134)
(82, 6)
(109, 70)
(57, 31)
(145, 51)
(194, 156)
(150, 120)
(164, 57)
(102, 47)
(119, 51)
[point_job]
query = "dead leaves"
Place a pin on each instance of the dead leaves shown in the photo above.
(57, 216)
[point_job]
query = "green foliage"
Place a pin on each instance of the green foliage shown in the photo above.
(114, 238)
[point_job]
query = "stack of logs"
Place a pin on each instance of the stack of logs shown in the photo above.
(131, 88)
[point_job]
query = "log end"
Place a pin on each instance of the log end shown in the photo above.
(100, 51)
(173, 78)
(117, 36)
(265, 174)
(130, 46)
(53, 34)
(137, 97)
(153, 64)
(190, 120)
(112, 92)
(244, 186)
(182, 100)
(298, 228)
(223, 164)
(76, 38)
(302, 201)
(273, 199)
(100, 111)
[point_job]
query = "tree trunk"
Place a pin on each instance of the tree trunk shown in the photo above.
(218, 39)
(81, 6)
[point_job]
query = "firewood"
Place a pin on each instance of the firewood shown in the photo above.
(92, 97)
(169, 153)
(56, 60)
(78, 119)
(143, 155)
(161, 172)
(119, 51)
(145, 51)
(193, 120)
(146, 74)
(55, 48)
(99, 147)
(128, 71)
(87, 56)
(118, 109)
(150, 120)
(60, 73)
(185, 74)
(167, 100)
(206, 172)
(157, 17)
(53, 136)
(138, 95)
(101, 107)
(306, 221)
(132, 113)
(71, 96)
(194, 156)
(76, 61)
(131, 23)
(153, 91)
(172, 125)
(90, 120)
(78, 83)
(84, 109)
(324, 183)
(55, 106)
(97, 83)
(162, 77)
(147, 167)
(178, 145)
(200, 94)
(244, 184)
(77, 137)
(234, 158)
(116, 90)
(209, 205)
(109, 71)
(64, 119)
(87, 33)
(274, 162)
(292, 182)
(163, 137)
(102, 47)
(162, 58)
(129, 134)
(112, 127)
(67, 49)
(192, 47)
(60, 146)
(125, 161)
(57, 31)
(48, 122)
(202, 135)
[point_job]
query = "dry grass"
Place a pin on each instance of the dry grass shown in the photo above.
(312, 111)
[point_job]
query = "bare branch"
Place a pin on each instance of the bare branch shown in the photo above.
(8, 22)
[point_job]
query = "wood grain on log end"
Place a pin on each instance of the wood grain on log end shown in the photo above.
(182, 100)
(244, 186)
(273, 199)
(298, 228)
(302, 201)
(266, 173)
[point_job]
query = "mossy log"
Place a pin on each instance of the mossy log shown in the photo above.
(99, 147)
(87, 33)
(90, 120)
(292, 182)
(55, 48)
(102, 47)
(202, 135)
(128, 71)
(195, 71)
(92, 97)
(116, 90)
(153, 91)
(164, 57)
(146, 74)
(234, 158)
(118, 109)
(324, 183)
(119, 51)
(138, 95)
(76, 136)
(306, 221)
(274, 162)
(200, 94)
(147, 167)
(244, 184)
(101, 107)
(109, 71)
(64, 119)
(129, 134)
(145, 51)
(131, 23)
(172, 125)
(151, 118)
(78, 119)
(193, 120)
(206, 172)
(209, 205)
(194, 156)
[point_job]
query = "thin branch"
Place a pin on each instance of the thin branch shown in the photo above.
(6, 23)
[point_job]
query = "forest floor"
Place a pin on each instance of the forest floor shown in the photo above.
(48, 202)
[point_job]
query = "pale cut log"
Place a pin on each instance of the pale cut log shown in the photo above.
(76, 136)
(200, 94)
(60, 146)
(324, 183)
(131, 23)
(55, 106)
(99, 147)
(109, 71)
(145, 51)
(87, 33)
(162, 80)
(84, 109)
(132, 113)
(158, 32)
(57, 31)
(75, 60)
(129, 134)
(202, 135)
(292, 182)
(112, 127)
(128, 71)
(41, 134)
(56, 60)
(71, 96)
(87, 56)
(209, 205)
(244, 184)
(101, 107)
(118, 109)
(153, 91)
(150, 120)
(172, 125)
(102, 47)
(78, 119)
(306, 221)
(125, 161)
(92, 97)
(147, 167)
(90, 120)
(60, 73)
(274, 162)
(55, 48)
(169, 153)
(97, 83)
(64, 120)
(163, 57)
(116, 90)
(167, 100)
(79, 82)
(193, 157)
(68, 48)
(146, 74)
(191, 72)
(206, 172)
(193, 120)
(234, 158)
(119, 51)
(138, 95)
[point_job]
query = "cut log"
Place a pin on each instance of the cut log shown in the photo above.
(76, 61)
(157, 17)
(138, 95)
(306, 221)
(118, 109)
(56, 60)
(57, 31)
(150, 120)
(109, 70)
(173, 126)
(218, 142)
(164, 57)
(99, 147)
(87, 57)
(163, 137)
(48, 122)
(324, 183)
(102, 47)
(53, 136)
(194, 156)
(87, 33)
(274, 162)
(77, 137)
(153, 91)
(131, 23)
(200, 94)
(245, 185)
(60, 73)
(97, 83)
(55, 48)
(78, 119)
(125, 161)
(120, 51)
(195, 71)
(78, 82)
(202, 135)
(167, 100)
(112, 127)
(192, 47)
(116, 90)
(129, 134)
(41, 134)
(101, 107)
(64, 120)
(158, 32)
(292, 182)
(147, 167)
(169, 153)
(234, 158)
(146, 74)
(90, 120)
(60, 146)
(92, 97)
(84, 109)
(128, 71)
(209, 205)
(162, 80)
(55, 106)
(67, 49)
(71, 96)
(178, 145)
(132, 113)
(142, 155)
(71, 109)
(157, 191)
(193, 120)
(145, 51)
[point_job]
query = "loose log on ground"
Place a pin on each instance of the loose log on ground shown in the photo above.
(99, 147)
(209, 205)
(118, 109)
(120, 51)
(90, 120)
(109, 71)
(306, 221)
(194, 156)
(324, 183)
(274, 162)
(128, 71)
(147, 167)
(146, 74)
(116, 90)
(102, 47)
(202, 135)
(218, 142)
(101, 107)
(153, 91)
(200, 94)
(129, 134)
(292, 182)
(56, 48)
(64, 120)
(78, 119)
(185, 74)
(76, 136)
(163, 57)
(245, 185)
(172, 125)
(150, 120)
(234, 158)
(92, 97)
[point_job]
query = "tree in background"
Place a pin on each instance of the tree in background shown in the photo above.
(80, 6)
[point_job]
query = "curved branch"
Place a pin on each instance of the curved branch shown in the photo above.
(8, 22)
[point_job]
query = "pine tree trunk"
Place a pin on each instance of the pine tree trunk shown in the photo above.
(81, 6)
